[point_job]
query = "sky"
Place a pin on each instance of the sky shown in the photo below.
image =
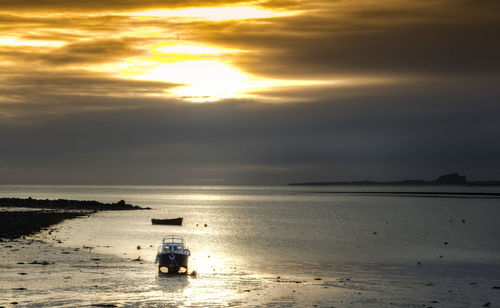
(254, 92)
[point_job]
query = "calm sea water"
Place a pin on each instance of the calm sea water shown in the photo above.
(301, 230)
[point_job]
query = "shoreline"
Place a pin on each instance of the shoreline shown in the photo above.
(16, 224)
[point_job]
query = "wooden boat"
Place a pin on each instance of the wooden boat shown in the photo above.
(171, 221)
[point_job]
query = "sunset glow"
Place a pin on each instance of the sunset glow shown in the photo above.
(14, 41)
(305, 151)
(314, 85)
(186, 48)
(203, 80)
(214, 13)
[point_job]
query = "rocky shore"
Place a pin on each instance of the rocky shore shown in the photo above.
(45, 213)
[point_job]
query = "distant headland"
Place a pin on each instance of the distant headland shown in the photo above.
(446, 179)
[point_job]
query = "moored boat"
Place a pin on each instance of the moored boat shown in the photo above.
(170, 221)
(172, 255)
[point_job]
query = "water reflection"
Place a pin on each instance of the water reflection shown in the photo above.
(172, 283)
(204, 290)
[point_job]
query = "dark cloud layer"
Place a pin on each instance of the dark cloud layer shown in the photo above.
(443, 37)
(245, 142)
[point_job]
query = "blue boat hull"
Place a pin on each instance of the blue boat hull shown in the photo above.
(173, 262)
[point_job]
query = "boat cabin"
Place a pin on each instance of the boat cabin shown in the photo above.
(173, 244)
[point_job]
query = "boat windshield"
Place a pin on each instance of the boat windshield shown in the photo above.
(173, 239)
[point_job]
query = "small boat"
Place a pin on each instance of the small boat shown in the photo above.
(171, 221)
(172, 255)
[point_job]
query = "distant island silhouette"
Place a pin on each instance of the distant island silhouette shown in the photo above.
(446, 179)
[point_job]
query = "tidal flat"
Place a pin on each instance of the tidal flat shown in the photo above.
(39, 274)
(259, 247)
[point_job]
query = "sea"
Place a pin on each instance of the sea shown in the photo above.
(252, 244)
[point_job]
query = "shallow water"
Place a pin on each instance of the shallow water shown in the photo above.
(255, 234)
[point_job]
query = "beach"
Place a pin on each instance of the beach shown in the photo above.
(38, 274)
(395, 259)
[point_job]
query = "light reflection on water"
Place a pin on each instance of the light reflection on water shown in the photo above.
(259, 228)
(254, 233)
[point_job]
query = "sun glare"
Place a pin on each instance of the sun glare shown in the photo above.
(194, 71)
(200, 72)
(202, 80)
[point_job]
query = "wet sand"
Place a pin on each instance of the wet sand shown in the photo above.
(36, 273)
(43, 272)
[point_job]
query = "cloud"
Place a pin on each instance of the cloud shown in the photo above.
(342, 38)
(32, 96)
(414, 93)
(246, 142)
(109, 5)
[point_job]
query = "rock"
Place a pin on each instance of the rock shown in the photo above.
(138, 247)
(446, 243)
(487, 304)
(317, 278)
(19, 289)
(22, 273)
(193, 274)
(496, 288)
(205, 225)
